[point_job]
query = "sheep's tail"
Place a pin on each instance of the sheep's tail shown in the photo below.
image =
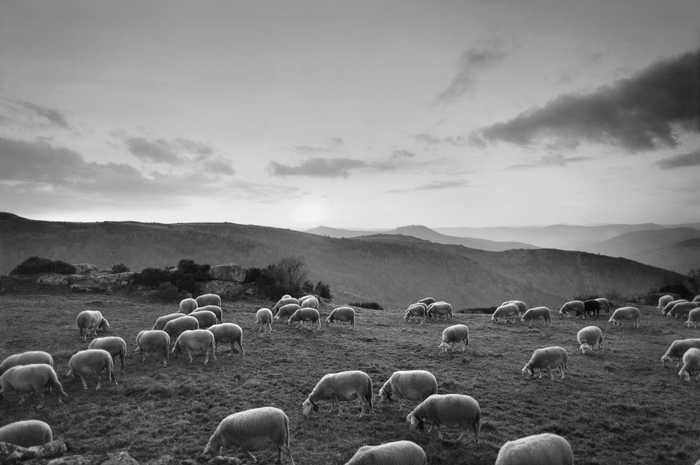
(286, 431)
(477, 425)
(368, 394)
(55, 385)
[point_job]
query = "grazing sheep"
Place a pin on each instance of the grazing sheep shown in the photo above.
(427, 301)
(572, 306)
(199, 340)
(691, 365)
(345, 385)
(187, 306)
(91, 320)
(682, 309)
(677, 349)
(310, 302)
(417, 311)
(31, 378)
(252, 430)
(537, 313)
(390, 453)
(454, 334)
(667, 308)
(285, 300)
(263, 319)
(163, 320)
(176, 327)
(549, 357)
(522, 307)
(449, 410)
(604, 304)
(439, 308)
(664, 300)
(26, 358)
(591, 308)
(625, 313)
(506, 312)
(91, 362)
(212, 308)
(545, 448)
(113, 344)
(589, 337)
(205, 318)
(208, 299)
(153, 341)
(306, 314)
(286, 311)
(27, 433)
(696, 298)
(693, 319)
(342, 314)
(414, 385)
(228, 332)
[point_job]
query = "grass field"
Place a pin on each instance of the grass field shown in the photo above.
(615, 406)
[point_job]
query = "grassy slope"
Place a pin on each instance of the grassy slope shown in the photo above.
(615, 406)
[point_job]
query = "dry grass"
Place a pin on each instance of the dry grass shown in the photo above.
(615, 406)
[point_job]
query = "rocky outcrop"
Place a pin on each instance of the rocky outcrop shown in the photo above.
(224, 289)
(85, 268)
(10, 453)
(229, 272)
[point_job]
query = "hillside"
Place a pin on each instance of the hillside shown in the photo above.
(681, 256)
(391, 269)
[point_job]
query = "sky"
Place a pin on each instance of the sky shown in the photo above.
(362, 114)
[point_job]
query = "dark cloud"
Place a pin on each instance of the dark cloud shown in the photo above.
(53, 116)
(177, 152)
(432, 186)
(402, 154)
(155, 151)
(327, 167)
(680, 161)
(310, 149)
(434, 140)
(194, 147)
(643, 112)
(552, 160)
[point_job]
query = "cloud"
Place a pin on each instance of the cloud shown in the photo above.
(26, 113)
(327, 167)
(680, 161)
(434, 140)
(157, 151)
(177, 152)
(552, 160)
(640, 113)
(310, 149)
(402, 154)
(432, 186)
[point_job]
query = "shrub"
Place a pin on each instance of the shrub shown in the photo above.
(369, 305)
(34, 265)
(288, 276)
(119, 268)
(152, 277)
(252, 275)
(198, 272)
(167, 292)
(185, 278)
(323, 290)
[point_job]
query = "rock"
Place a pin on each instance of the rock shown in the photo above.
(79, 460)
(85, 268)
(120, 458)
(118, 279)
(54, 280)
(224, 289)
(229, 272)
(164, 460)
(49, 450)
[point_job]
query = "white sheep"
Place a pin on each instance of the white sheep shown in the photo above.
(691, 365)
(342, 386)
(418, 311)
(91, 320)
(27, 433)
(677, 349)
(208, 299)
(211, 308)
(286, 311)
(427, 301)
(285, 300)
(537, 313)
(116, 346)
(91, 362)
(306, 314)
(450, 410)
(505, 312)
(342, 314)
(589, 337)
(415, 385)
(153, 341)
(25, 358)
(439, 308)
(572, 306)
(309, 302)
(604, 304)
(670, 305)
(31, 378)
(205, 318)
(682, 309)
(625, 313)
(177, 326)
(664, 300)
(545, 448)
(453, 335)
(696, 298)
(547, 358)
(263, 319)
(522, 307)
(390, 453)
(187, 306)
(199, 340)
(252, 430)
(163, 320)
(693, 319)
(228, 333)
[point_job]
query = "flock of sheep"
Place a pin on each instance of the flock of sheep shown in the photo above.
(198, 328)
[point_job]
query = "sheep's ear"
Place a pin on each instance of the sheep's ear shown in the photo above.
(421, 425)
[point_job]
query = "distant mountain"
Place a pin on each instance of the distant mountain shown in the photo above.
(340, 233)
(640, 242)
(4, 216)
(680, 257)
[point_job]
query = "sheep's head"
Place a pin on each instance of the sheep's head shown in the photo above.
(665, 360)
(414, 422)
(384, 396)
(444, 346)
(684, 375)
(585, 346)
(307, 406)
(104, 325)
(213, 447)
(328, 321)
(527, 371)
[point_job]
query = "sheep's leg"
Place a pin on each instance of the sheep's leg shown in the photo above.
(251, 456)
(84, 383)
(99, 382)
(206, 356)
(189, 354)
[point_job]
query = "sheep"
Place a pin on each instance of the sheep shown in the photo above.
(91, 320)
(228, 332)
(163, 320)
(199, 340)
(345, 385)
(26, 358)
(545, 448)
(604, 304)
(677, 349)
(205, 318)
(285, 300)
(390, 453)
(286, 311)
(27, 433)
(549, 357)
(505, 312)
(439, 308)
(212, 308)
(91, 362)
(664, 300)
(252, 430)
(696, 298)
(175, 327)
(342, 314)
(417, 310)
(114, 345)
(572, 306)
(682, 309)
(522, 307)
(454, 334)
(589, 337)
(427, 301)
(625, 313)
(153, 341)
(591, 307)
(263, 319)
(187, 306)
(451, 410)
(208, 299)
(667, 308)
(306, 314)
(693, 319)
(414, 385)
(311, 302)
(537, 313)
(31, 378)
(691, 365)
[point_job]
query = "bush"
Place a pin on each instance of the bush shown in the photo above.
(323, 290)
(119, 268)
(35, 265)
(152, 277)
(288, 276)
(252, 275)
(167, 292)
(369, 305)
(186, 277)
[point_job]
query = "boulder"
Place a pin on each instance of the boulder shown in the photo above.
(229, 272)
(115, 279)
(224, 289)
(16, 453)
(85, 268)
(120, 458)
